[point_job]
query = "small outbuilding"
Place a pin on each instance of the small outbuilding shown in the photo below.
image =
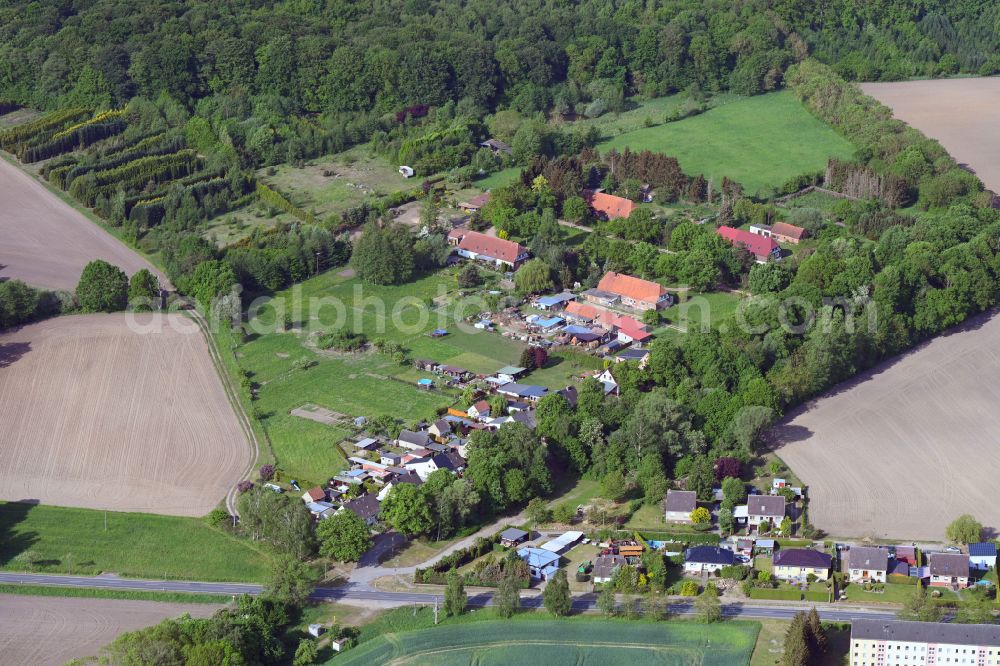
(512, 536)
(406, 171)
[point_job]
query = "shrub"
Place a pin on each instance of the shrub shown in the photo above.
(689, 588)
(342, 340)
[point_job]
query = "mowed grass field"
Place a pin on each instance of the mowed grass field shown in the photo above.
(557, 642)
(364, 384)
(140, 545)
(757, 141)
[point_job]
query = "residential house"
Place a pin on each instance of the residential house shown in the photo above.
(609, 382)
(780, 231)
(512, 536)
(949, 570)
(510, 374)
(478, 246)
(634, 292)
(680, 504)
(427, 465)
(799, 563)
(497, 147)
(480, 411)
(526, 418)
(867, 564)
(707, 559)
(600, 297)
(475, 203)
(455, 372)
(526, 392)
(632, 332)
(390, 458)
(763, 249)
(541, 563)
(640, 356)
(896, 643)
(365, 507)
(440, 430)
(983, 556)
(605, 567)
(765, 508)
(581, 312)
(397, 480)
(321, 510)
(608, 206)
(316, 494)
(408, 439)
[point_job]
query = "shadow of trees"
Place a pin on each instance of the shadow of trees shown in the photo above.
(13, 543)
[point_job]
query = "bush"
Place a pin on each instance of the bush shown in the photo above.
(735, 572)
(342, 341)
(689, 588)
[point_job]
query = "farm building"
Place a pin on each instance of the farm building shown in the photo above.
(867, 565)
(474, 245)
(509, 374)
(983, 556)
(707, 559)
(562, 542)
(634, 292)
(542, 563)
(763, 249)
(512, 536)
(680, 504)
(799, 563)
(409, 439)
(475, 203)
(949, 570)
(780, 231)
(605, 567)
(554, 302)
(608, 206)
(527, 392)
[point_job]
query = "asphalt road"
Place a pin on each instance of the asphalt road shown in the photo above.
(581, 603)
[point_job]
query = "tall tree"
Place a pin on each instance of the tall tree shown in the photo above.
(408, 510)
(344, 537)
(507, 598)
(102, 288)
(455, 598)
(556, 596)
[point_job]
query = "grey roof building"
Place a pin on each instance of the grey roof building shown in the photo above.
(866, 557)
(926, 632)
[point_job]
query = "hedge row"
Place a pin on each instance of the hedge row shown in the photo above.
(135, 175)
(85, 135)
(775, 595)
(10, 139)
(278, 200)
(98, 119)
(683, 537)
(115, 160)
(900, 579)
(817, 595)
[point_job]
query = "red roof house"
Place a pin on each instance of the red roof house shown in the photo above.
(763, 249)
(634, 292)
(608, 206)
(475, 245)
(787, 233)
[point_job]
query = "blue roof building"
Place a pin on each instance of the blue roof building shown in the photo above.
(983, 556)
(542, 563)
(546, 302)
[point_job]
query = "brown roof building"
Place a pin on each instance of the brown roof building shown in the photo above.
(634, 292)
(608, 206)
(475, 245)
(787, 233)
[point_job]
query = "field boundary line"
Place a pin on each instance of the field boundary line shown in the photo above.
(237, 405)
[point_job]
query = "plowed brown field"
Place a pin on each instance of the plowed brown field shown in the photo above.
(53, 630)
(94, 414)
(902, 450)
(47, 242)
(960, 113)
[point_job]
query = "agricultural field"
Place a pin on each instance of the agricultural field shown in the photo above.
(557, 642)
(49, 539)
(758, 141)
(47, 242)
(49, 631)
(881, 453)
(116, 412)
(960, 113)
(356, 384)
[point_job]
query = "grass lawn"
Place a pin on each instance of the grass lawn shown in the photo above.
(574, 558)
(651, 112)
(97, 593)
(140, 545)
(818, 200)
(498, 179)
(564, 369)
(581, 493)
(648, 517)
(758, 141)
(528, 638)
(894, 593)
(701, 311)
(364, 384)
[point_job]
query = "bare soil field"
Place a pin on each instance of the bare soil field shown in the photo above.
(100, 416)
(960, 113)
(54, 630)
(902, 450)
(47, 242)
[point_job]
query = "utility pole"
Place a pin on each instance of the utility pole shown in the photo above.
(435, 610)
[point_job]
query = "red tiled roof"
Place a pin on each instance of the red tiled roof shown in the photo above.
(789, 230)
(759, 246)
(578, 309)
(490, 246)
(609, 204)
(634, 330)
(316, 494)
(631, 287)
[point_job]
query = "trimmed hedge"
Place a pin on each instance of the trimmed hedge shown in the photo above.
(818, 595)
(900, 579)
(683, 537)
(45, 126)
(775, 595)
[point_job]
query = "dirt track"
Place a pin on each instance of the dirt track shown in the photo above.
(53, 630)
(901, 451)
(96, 415)
(46, 242)
(960, 113)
